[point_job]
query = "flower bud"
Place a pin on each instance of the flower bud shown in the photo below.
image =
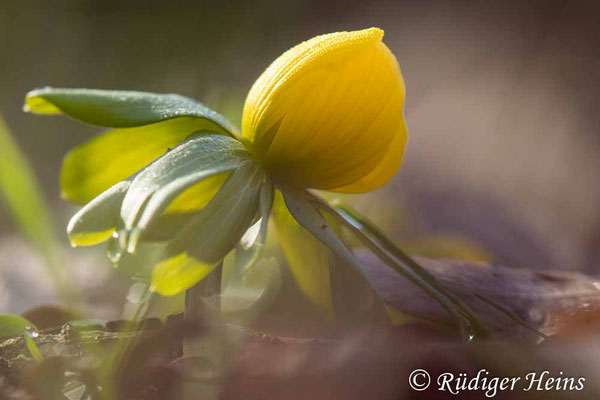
(328, 113)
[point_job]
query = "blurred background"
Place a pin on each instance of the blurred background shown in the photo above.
(503, 160)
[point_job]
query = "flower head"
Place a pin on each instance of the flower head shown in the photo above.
(327, 114)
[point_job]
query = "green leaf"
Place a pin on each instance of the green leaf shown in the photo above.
(209, 236)
(185, 206)
(250, 282)
(122, 108)
(249, 252)
(148, 124)
(13, 325)
(370, 235)
(155, 187)
(23, 198)
(113, 156)
(165, 226)
(33, 348)
(97, 220)
(309, 217)
(307, 258)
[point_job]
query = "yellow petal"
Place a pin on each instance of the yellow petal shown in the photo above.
(307, 258)
(96, 165)
(173, 275)
(327, 113)
(183, 208)
(207, 237)
(90, 239)
(385, 170)
(398, 317)
(196, 197)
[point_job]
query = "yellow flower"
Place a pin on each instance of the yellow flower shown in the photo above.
(328, 113)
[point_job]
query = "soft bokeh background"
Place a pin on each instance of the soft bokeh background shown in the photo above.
(503, 160)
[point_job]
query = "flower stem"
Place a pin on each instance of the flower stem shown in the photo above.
(196, 306)
(202, 303)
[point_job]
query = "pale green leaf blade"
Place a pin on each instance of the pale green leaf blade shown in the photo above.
(249, 281)
(181, 210)
(162, 219)
(113, 156)
(97, 220)
(210, 235)
(148, 125)
(307, 258)
(165, 226)
(248, 253)
(154, 188)
(121, 108)
(309, 217)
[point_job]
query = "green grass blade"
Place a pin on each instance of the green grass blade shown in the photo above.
(25, 202)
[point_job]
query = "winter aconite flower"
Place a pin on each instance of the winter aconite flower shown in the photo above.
(327, 114)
